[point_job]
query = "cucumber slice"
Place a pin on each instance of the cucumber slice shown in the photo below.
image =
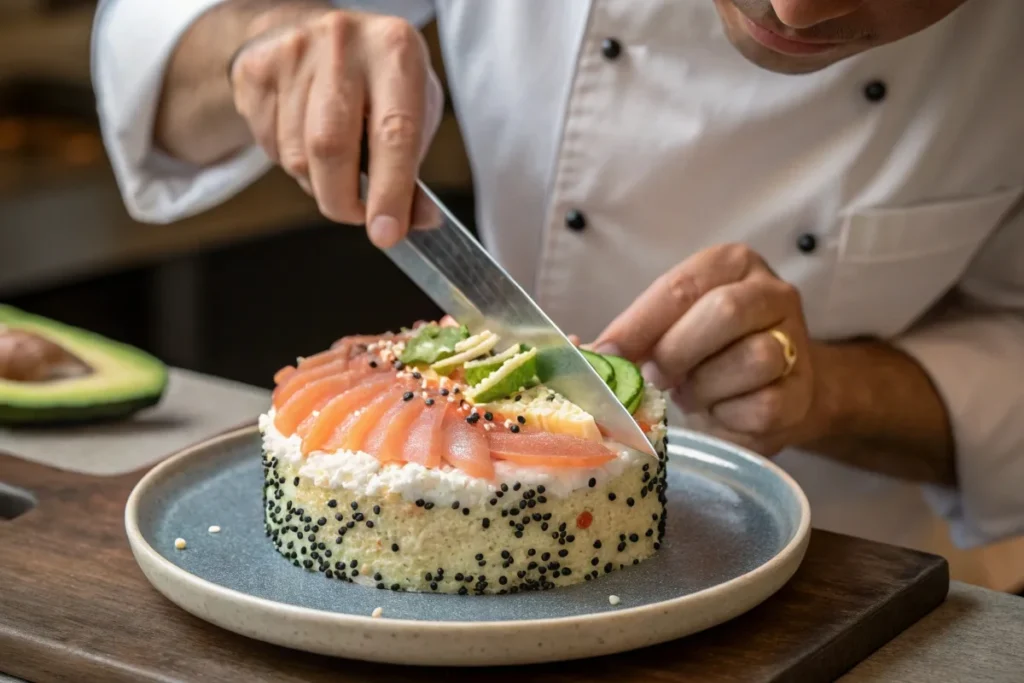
(602, 366)
(629, 383)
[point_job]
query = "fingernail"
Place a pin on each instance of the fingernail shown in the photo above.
(652, 373)
(385, 231)
(607, 348)
(425, 214)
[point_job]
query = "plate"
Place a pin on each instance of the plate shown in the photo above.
(737, 530)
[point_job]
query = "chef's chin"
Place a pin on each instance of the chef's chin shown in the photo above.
(773, 60)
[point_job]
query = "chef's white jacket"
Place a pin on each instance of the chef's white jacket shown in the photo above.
(877, 186)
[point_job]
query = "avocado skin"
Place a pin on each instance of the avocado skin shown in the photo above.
(70, 407)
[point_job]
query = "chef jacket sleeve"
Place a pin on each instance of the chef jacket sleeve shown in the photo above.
(973, 350)
(132, 41)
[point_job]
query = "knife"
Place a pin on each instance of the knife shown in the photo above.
(460, 276)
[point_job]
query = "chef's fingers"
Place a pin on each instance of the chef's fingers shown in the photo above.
(397, 69)
(718, 319)
(254, 84)
(294, 84)
(765, 411)
(753, 362)
(425, 214)
(637, 329)
(334, 126)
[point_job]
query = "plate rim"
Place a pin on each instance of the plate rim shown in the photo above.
(797, 544)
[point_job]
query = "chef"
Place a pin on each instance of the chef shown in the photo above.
(804, 217)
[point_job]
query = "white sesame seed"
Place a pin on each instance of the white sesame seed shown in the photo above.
(423, 395)
(508, 423)
(488, 426)
(423, 384)
(377, 611)
(451, 399)
(179, 543)
(613, 599)
(214, 529)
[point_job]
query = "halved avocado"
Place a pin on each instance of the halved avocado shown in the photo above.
(51, 372)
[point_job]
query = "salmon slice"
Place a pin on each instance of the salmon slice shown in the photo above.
(356, 341)
(313, 397)
(352, 432)
(283, 374)
(387, 437)
(466, 447)
(303, 378)
(339, 408)
(425, 441)
(544, 449)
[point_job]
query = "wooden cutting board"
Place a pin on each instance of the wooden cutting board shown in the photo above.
(75, 606)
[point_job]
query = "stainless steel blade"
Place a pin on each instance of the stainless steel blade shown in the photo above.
(461, 277)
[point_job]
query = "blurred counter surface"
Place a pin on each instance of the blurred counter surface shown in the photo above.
(61, 215)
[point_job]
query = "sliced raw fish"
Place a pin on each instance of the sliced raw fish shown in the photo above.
(339, 408)
(312, 397)
(302, 378)
(466, 447)
(425, 441)
(351, 433)
(388, 436)
(283, 374)
(544, 449)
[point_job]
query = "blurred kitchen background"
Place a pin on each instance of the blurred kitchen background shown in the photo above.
(236, 292)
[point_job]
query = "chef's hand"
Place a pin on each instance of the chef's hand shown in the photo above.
(307, 88)
(708, 329)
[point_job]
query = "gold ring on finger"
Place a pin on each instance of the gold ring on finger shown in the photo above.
(788, 349)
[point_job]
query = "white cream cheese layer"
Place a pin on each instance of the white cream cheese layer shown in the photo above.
(362, 473)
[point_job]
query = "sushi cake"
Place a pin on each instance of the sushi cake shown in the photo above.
(435, 460)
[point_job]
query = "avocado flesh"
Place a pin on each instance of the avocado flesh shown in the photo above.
(122, 379)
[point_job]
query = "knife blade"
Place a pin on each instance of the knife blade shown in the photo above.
(458, 274)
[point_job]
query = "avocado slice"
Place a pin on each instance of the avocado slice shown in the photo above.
(51, 372)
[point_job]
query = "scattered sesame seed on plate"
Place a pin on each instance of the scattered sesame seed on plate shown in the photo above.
(613, 599)
(214, 529)
(377, 611)
(179, 543)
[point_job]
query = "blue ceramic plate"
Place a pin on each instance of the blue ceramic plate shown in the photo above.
(737, 530)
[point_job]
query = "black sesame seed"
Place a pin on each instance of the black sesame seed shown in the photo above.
(420, 503)
(465, 511)
(394, 547)
(398, 365)
(634, 538)
(429, 401)
(542, 570)
(504, 487)
(536, 516)
(322, 521)
(337, 541)
(657, 545)
(563, 552)
(519, 397)
(499, 494)
(514, 429)
(541, 499)
(512, 523)
(630, 502)
(479, 556)
(493, 501)
(554, 534)
(482, 563)
(488, 416)
(349, 524)
(395, 586)
(462, 590)
(544, 526)
(570, 538)
(469, 578)
(380, 586)
(355, 572)
(433, 586)
(378, 577)
(428, 506)
(307, 563)
(473, 418)
(444, 392)
(459, 576)
(486, 522)
(369, 524)
(517, 486)
(338, 516)
(518, 534)
(504, 513)
(522, 420)
(358, 517)
(295, 481)
(355, 505)
(407, 396)
(332, 503)
(417, 375)
(522, 504)
(611, 496)
(608, 568)
(622, 546)
(455, 505)
(502, 580)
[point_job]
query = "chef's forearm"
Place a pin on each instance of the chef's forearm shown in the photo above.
(883, 413)
(196, 119)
